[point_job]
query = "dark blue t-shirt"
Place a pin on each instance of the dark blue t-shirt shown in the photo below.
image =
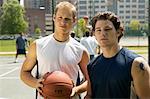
(111, 77)
(21, 42)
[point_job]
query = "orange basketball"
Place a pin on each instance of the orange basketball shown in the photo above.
(57, 84)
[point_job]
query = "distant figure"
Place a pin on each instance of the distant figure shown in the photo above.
(90, 43)
(21, 43)
(73, 35)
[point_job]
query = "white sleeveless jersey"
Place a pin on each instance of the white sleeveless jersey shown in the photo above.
(63, 56)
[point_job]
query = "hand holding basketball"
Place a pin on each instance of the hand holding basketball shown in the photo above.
(56, 84)
(39, 85)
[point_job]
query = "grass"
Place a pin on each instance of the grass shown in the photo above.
(7, 46)
(10, 46)
(138, 48)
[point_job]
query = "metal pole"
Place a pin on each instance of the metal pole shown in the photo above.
(53, 14)
(149, 33)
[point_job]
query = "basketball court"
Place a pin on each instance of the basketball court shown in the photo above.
(11, 87)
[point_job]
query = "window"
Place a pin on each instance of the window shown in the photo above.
(96, 7)
(133, 6)
(141, 1)
(128, 12)
(133, 0)
(82, 2)
(141, 11)
(96, 1)
(82, 7)
(141, 17)
(127, 17)
(141, 6)
(121, 12)
(102, 1)
(82, 13)
(134, 17)
(127, 6)
(121, 6)
(102, 6)
(134, 11)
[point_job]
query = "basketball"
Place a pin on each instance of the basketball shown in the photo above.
(57, 84)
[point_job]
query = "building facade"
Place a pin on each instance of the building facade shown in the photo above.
(127, 10)
(39, 13)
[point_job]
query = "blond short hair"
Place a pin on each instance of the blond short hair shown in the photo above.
(66, 4)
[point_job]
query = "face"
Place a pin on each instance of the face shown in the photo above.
(64, 20)
(106, 33)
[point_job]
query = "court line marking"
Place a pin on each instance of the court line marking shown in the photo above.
(9, 65)
(9, 71)
(9, 78)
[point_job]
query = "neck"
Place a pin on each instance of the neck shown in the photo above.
(111, 51)
(60, 38)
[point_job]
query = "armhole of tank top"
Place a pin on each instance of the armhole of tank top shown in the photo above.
(133, 94)
(94, 62)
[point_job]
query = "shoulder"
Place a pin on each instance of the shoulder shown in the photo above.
(43, 40)
(140, 64)
(140, 68)
(141, 77)
(129, 54)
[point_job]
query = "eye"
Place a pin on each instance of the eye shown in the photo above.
(59, 18)
(67, 19)
(97, 30)
(107, 29)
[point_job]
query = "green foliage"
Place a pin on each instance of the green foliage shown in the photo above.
(7, 45)
(80, 28)
(12, 19)
(37, 31)
(134, 25)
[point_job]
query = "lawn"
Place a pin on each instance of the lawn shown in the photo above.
(7, 46)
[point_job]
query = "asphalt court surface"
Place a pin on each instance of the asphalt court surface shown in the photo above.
(11, 87)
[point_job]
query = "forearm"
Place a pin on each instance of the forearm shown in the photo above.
(28, 79)
(82, 88)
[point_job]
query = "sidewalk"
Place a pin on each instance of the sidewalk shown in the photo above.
(2, 53)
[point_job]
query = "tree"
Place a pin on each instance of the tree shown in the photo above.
(38, 31)
(80, 28)
(134, 25)
(12, 19)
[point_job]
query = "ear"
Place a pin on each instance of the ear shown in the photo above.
(119, 31)
(54, 17)
(75, 20)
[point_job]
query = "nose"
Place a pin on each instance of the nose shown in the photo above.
(103, 32)
(63, 21)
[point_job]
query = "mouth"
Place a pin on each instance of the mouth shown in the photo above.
(63, 26)
(103, 39)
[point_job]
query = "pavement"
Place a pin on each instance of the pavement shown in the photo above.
(11, 87)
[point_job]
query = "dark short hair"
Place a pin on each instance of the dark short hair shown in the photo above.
(108, 16)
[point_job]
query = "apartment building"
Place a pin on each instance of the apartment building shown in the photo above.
(126, 9)
(39, 13)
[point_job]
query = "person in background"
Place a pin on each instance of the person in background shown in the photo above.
(57, 52)
(90, 43)
(21, 44)
(117, 72)
(73, 35)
